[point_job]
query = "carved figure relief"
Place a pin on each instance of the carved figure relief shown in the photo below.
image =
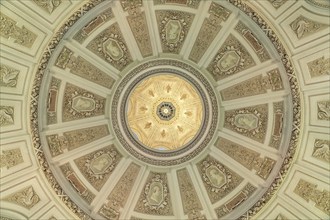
(8, 76)
(119, 195)
(323, 110)
(218, 179)
(110, 46)
(277, 3)
(322, 150)
(173, 28)
(27, 198)
(242, 196)
(76, 183)
(73, 139)
(231, 58)
(6, 115)
(247, 157)
(188, 3)
(11, 158)
(52, 100)
(190, 201)
(10, 30)
(210, 28)
(155, 199)
(79, 103)
(278, 109)
(98, 166)
(309, 192)
(319, 67)
(303, 27)
(253, 41)
(250, 121)
(48, 5)
(92, 25)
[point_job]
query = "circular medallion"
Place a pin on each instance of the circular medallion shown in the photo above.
(164, 112)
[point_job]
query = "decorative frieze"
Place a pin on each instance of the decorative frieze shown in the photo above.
(253, 41)
(110, 46)
(73, 139)
(11, 158)
(99, 165)
(323, 110)
(26, 197)
(79, 103)
(119, 195)
(217, 178)
(6, 115)
(92, 25)
(231, 58)
(249, 121)
(188, 3)
(81, 67)
(48, 5)
(250, 159)
(242, 196)
(173, 28)
(155, 196)
(304, 27)
(320, 3)
(309, 192)
(8, 76)
(77, 184)
(319, 67)
(321, 150)
(52, 100)
(278, 109)
(10, 30)
(190, 201)
(210, 28)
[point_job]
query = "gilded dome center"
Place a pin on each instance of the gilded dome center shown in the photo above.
(164, 112)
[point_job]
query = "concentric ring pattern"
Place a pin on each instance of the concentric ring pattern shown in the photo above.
(168, 109)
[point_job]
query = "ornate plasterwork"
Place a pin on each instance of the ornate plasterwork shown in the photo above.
(48, 5)
(52, 100)
(277, 3)
(11, 158)
(6, 115)
(304, 27)
(320, 3)
(309, 192)
(111, 46)
(319, 67)
(99, 165)
(278, 119)
(322, 150)
(323, 110)
(173, 28)
(27, 197)
(189, 3)
(155, 196)
(161, 110)
(217, 178)
(21, 35)
(8, 76)
(250, 121)
(231, 58)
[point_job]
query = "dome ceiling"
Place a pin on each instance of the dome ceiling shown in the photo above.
(167, 109)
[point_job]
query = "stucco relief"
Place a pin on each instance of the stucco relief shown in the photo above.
(323, 110)
(48, 5)
(173, 29)
(322, 150)
(278, 123)
(11, 158)
(110, 46)
(250, 121)
(79, 103)
(26, 197)
(231, 58)
(8, 76)
(217, 179)
(304, 27)
(319, 67)
(52, 100)
(6, 115)
(155, 197)
(10, 30)
(277, 3)
(99, 165)
(189, 3)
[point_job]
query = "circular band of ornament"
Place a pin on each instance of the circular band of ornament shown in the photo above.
(159, 157)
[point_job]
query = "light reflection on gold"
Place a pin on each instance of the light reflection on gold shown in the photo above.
(167, 130)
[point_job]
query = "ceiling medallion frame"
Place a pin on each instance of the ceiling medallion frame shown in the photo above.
(76, 15)
(203, 136)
